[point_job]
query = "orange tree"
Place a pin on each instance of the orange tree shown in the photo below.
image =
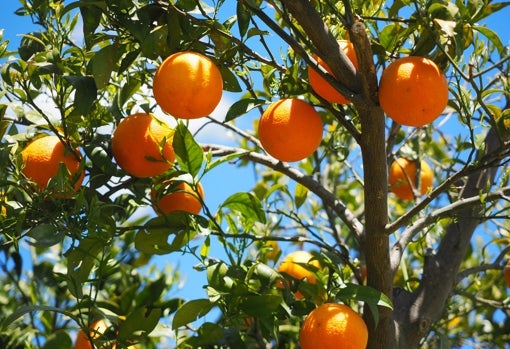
(433, 263)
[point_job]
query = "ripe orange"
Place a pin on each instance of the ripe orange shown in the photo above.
(290, 129)
(413, 91)
(42, 158)
(188, 85)
(181, 198)
(402, 178)
(292, 265)
(321, 86)
(97, 329)
(142, 145)
(333, 326)
(506, 272)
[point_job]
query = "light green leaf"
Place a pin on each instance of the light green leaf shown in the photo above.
(188, 152)
(247, 205)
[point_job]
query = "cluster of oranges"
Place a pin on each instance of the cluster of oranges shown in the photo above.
(141, 143)
(412, 92)
(333, 325)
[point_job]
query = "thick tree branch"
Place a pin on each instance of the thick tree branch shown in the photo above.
(417, 311)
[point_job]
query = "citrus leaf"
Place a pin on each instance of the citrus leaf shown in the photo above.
(103, 63)
(230, 82)
(86, 92)
(153, 239)
(190, 311)
(209, 333)
(241, 107)
(81, 259)
(142, 320)
(370, 296)
(188, 152)
(260, 305)
(25, 309)
(247, 204)
(45, 235)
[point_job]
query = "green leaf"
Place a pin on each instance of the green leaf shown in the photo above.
(209, 333)
(230, 82)
(103, 63)
(58, 340)
(153, 239)
(45, 235)
(243, 18)
(247, 204)
(492, 36)
(191, 311)
(226, 158)
(30, 44)
(25, 309)
(142, 319)
(260, 305)
(370, 296)
(81, 259)
(86, 92)
(188, 152)
(242, 107)
(300, 195)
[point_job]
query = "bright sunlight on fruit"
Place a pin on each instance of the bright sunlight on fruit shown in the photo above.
(333, 326)
(290, 129)
(413, 91)
(188, 85)
(403, 178)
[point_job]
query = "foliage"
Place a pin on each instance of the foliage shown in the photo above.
(66, 262)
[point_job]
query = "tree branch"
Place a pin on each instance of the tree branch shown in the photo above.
(417, 311)
(315, 187)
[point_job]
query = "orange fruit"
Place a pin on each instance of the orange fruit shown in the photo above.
(321, 86)
(413, 91)
(142, 145)
(41, 161)
(403, 175)
(188, 85)
(97, 329)
(290, 129)
(333, 326)
(180, 198)
(292, 265)
(506, 272)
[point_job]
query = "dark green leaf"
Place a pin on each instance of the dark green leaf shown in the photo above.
(230, 82)
(25, 309)
(80, 261)
(103, 63)
(154, 238)
(86, 92)
(191, 311)
(370, 296)
(209, 333)
(260, 305)
(45, 235)
(243, 18)
(58, 340)
(241, 107)
(188, 152)
(31, 44)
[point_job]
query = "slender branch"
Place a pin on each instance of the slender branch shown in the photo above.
(430, 218)
(315, 187)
